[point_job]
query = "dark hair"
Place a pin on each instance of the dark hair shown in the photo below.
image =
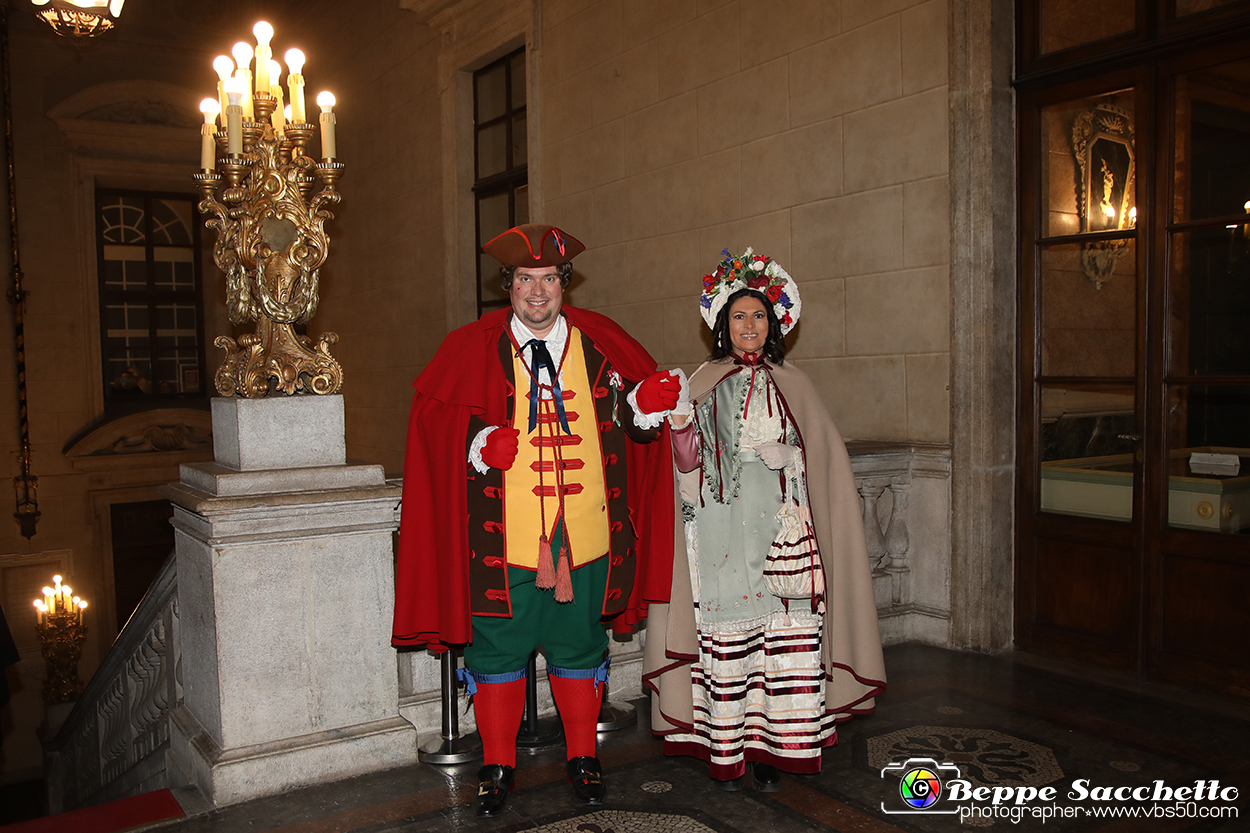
(774, 346)
(563, 270)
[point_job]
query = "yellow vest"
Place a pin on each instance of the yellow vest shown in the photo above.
(549, 457)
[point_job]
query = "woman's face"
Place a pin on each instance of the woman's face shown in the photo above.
(748, 325)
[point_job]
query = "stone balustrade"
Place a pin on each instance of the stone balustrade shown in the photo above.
(113, 741)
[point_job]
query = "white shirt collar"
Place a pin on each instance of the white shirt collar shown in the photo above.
(556, 340)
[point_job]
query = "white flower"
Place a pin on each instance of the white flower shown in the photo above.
(772, 269)
(758, 266)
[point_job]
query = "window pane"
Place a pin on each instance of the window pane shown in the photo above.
(1210, 293)
(1088, 439)
(1067, 23)
(522, 203)
(518, 80)
(520, 142)
(1209, 458)
(1089, 309)
(172, 269)
(493, 220)
(121, 219)
(1089, 165)
(125, 268)
(171, 222)
(1212, 137)
(492, 149)
(491, 100)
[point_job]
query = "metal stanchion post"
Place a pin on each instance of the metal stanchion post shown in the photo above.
(451, 747)
(536, 733)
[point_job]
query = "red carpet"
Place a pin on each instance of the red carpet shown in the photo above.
(115, 816)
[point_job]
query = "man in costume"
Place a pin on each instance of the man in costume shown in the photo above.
(536, 503)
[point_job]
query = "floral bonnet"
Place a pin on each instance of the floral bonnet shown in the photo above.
(751, 271)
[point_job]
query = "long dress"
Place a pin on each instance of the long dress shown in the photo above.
(757, 670)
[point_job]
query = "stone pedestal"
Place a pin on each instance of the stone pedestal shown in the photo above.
(285, 591)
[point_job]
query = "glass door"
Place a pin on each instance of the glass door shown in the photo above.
(1079, 565)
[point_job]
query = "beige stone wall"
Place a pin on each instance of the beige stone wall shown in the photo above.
(815, 131)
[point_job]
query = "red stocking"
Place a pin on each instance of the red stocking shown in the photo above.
(578, 701)
(498, 707)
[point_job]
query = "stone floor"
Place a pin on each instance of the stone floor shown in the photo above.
(1009, 721)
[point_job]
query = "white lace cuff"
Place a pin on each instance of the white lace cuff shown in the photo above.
(644, 421)
(475, 450)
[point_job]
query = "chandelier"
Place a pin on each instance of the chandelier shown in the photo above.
(79, 18)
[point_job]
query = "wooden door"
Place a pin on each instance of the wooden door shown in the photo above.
(1134, 466)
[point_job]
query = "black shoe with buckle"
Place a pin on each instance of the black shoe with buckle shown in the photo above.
(586, 776)
(494, 784)
(767, 778)
(733, 785)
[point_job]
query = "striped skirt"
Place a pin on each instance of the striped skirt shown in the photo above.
(759, 695)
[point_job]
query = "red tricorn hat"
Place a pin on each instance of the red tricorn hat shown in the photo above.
(534, 244)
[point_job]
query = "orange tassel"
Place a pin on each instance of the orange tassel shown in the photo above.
(564, 581)
(546, 570)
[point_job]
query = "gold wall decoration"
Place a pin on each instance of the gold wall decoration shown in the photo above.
(257, 184)
(1103, 144)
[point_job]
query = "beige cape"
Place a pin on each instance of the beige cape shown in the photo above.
(854, 667)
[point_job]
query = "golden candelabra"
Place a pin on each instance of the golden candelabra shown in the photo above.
(257, 184)
(61, 637)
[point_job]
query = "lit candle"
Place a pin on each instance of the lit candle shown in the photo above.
(224, 67)
(208, 148)
(38, 611)
(242, 52)
(295, 82)
(263, 32)
(275, 90)
(82, 605)
(234, 117)
(325, 100)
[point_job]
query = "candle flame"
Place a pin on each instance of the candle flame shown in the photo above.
(295, 61)
(325, 100)
(263, 32)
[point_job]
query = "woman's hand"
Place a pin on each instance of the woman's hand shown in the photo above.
(776, 455)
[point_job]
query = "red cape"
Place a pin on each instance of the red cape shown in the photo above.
(465, 378)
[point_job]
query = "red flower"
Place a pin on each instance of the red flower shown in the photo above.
(708, 281)
(774, 293)
(757, 281)
(786, 319)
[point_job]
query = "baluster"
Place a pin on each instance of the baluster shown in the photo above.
(898, 541)
(870, 492)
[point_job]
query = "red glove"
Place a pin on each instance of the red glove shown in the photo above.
(501, 448)
(658, 392)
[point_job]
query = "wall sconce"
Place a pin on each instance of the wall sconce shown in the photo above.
(61, 636)
(1102, 142)
(79, 18)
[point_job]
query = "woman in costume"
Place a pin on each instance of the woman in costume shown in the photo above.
(740, 675)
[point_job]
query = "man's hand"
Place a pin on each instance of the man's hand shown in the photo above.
(658, 392)
(776, 456)
(501, 448)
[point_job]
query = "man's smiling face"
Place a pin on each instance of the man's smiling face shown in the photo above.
(536, 298)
